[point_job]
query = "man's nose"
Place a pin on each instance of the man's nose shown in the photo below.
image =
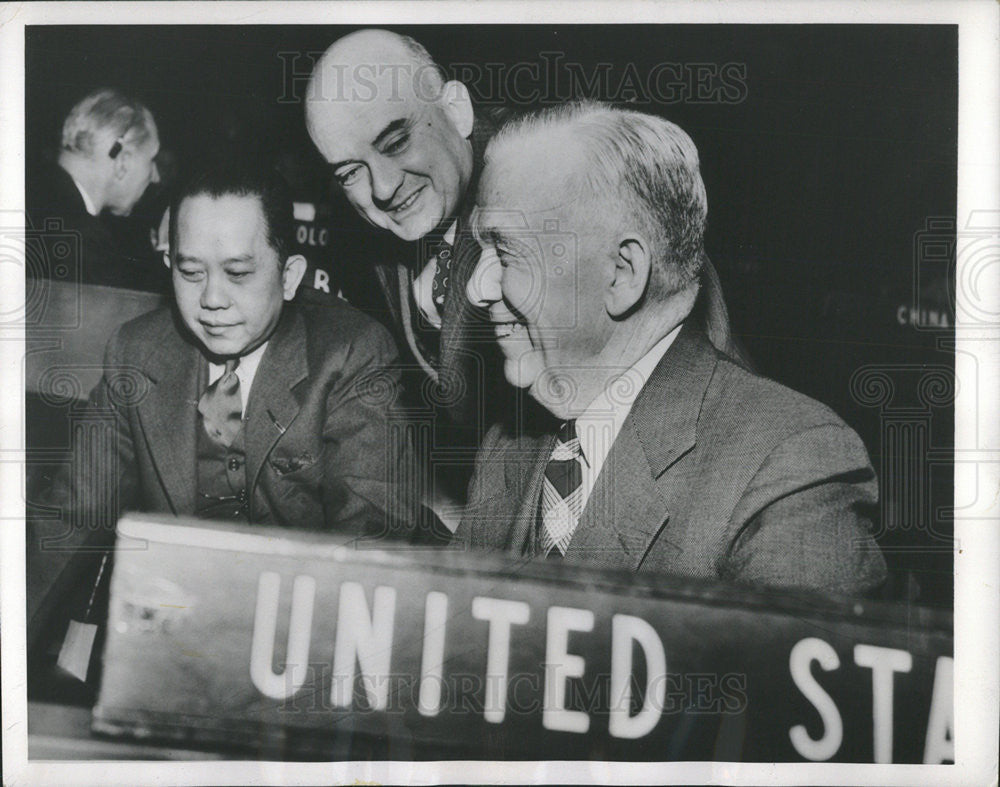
(484, 284)
(215, 293)
(386, 179)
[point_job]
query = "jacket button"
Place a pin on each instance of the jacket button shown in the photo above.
(234, 463)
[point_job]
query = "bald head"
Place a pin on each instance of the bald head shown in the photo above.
(363, 64)
(379, 110)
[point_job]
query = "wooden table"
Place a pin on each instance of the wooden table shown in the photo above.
(62, 732)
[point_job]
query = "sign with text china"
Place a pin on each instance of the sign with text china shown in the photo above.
(292, 645)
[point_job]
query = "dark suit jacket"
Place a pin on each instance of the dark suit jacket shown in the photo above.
(468, 361)
(323, 450)
(716, 473)
(56, 208)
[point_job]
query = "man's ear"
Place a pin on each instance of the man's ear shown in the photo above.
(121, 163)
(458, 106)
(291, 276)
(633, 266)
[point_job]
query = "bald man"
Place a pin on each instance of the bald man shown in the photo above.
(406, 147)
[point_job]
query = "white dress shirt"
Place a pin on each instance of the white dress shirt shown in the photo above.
(246, 371)
(423, 284)
(598, 426)
(88, 203)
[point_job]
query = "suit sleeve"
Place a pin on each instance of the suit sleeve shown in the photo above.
(73, 528)
(805, 518)
(370, 479)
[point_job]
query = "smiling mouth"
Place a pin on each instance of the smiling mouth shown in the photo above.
(407, 203)
(215, 329)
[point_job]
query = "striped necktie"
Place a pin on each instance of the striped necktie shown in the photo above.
(562, 493)
(221, 407)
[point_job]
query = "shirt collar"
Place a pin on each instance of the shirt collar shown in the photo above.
(88, 203)
(449, 235)
(598, 426)
(246, 371)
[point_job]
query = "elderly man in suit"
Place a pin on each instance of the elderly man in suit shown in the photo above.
(235, 404)
(664, 455)
(406, 147)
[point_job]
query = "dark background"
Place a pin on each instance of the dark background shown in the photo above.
(830, 166)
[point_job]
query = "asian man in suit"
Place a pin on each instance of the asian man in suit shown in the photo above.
(233, 404)
(662, 453)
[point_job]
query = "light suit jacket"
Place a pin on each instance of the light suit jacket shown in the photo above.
(716, 473)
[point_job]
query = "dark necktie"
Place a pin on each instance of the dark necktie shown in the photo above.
(562, 493)
(443, 252)
(221, 407)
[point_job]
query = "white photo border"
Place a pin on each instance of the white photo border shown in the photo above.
(977, 552)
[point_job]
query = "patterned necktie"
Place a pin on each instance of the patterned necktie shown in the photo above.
(562, 493)
(444, 253)
(221, 407)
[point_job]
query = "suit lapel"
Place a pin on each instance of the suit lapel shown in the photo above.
(168, 417)
(627, 510)
(273, 405)
(387, 278)
(457, 311)
(524, 472)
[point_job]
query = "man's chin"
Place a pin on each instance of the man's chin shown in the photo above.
(514, 373)
(413, 230)
(556, 391)
(221, 348)
(548, 389)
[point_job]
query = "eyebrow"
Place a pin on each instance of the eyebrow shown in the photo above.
(248, 257)
(390, 128)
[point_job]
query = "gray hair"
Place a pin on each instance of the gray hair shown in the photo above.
(646, 164)
(423, 60)
(105, 112)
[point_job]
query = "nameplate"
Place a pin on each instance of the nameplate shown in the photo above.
(287, 645)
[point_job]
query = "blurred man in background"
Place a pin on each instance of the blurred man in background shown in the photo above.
(106, 161)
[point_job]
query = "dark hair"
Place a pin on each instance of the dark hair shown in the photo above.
(243, 178)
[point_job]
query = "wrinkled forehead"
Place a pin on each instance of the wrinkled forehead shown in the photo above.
(348, 105)
(524, 186)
